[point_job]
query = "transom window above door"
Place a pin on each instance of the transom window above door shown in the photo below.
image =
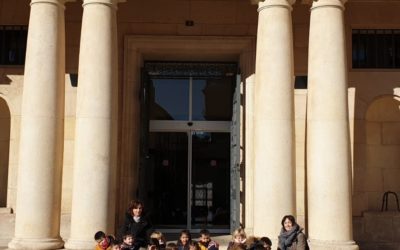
(190, 91)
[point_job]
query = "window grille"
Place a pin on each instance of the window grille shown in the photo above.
(13, 44)
(376, 48)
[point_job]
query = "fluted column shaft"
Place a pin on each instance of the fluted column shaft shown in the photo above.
(40, 151)
(328, 143)
(94, 170)
(274, 172)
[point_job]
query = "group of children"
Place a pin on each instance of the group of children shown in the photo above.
(157, 242)
(109, 242)
(241, 242)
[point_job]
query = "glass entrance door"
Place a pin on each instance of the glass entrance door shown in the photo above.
(185, 174)
(189, 178)
(210, 180)
(167, 174)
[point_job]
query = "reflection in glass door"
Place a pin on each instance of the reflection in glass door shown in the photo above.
(167, 182)
(199, 163)
(210, 178)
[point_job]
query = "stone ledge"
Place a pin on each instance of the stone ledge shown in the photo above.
(378, 230)
(7, 221)
(6, 210)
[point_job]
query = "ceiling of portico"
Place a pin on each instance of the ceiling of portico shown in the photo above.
(355, 1)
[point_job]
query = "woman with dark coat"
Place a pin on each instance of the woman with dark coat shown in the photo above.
(291, 236)
(137, 224)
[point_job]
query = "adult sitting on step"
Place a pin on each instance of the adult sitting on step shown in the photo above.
(137, 224)
(291, 236)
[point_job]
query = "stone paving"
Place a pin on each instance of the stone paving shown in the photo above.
(222, 240)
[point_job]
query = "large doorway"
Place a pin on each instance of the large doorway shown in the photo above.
(186, 165)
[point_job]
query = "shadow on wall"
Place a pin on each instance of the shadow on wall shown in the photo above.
(5, 123)
(382, 168)
(377, 170)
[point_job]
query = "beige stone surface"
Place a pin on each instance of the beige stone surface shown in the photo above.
(374, 133)
(300, 102)
(360, 132)
(389, 105)
(7, 224)
(240, 19)
(379, 226)
(67, 177)
(300, 205)
(5, 124)
(300, 159)
(391, 179)
(40, 154)
(94, 144)
(274, 149)
(249, 154)
(360, 204)
(360, 156)
(12, 92)
(328, 153)
(358, 183)
(374, 201)
(371, 179)
(383, 156)
(69, 128)
(391, 133)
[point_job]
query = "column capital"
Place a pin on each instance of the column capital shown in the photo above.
(111, 3)
(106, 2)
(275, 3)
(258, 1)
(56, 2)
(328, 3)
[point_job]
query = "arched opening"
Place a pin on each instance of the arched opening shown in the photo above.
(5, 124)
(382, 150)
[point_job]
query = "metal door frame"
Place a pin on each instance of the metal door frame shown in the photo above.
(189, 127)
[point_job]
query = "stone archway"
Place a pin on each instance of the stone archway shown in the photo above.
(382, 149)
(5, 124)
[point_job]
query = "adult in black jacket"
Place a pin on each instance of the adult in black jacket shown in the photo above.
(137, 224)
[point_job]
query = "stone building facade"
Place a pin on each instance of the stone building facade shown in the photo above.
(290, 107)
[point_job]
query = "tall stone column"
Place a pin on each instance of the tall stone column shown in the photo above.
(328, 143)
(274, 162)
(37, 223)
(93, 203)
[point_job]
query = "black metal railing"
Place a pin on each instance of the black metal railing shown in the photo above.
(385, 200)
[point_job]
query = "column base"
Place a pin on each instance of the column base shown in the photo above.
(42, 244)
(79, 244)
(332, 245)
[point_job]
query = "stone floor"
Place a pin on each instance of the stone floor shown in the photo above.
(222, 240)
